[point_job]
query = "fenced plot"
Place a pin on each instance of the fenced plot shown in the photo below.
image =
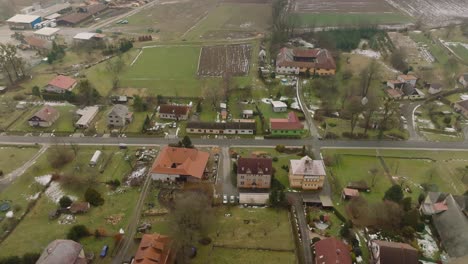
(217, 61)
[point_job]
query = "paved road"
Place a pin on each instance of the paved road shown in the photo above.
(407, 111)
(225, 168)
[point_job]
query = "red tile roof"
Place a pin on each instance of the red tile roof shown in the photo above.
(36, 42)
(63, 82)
(350, 192)
(306, 53)
(331, 251)
(290, 123)
(181, 161)
(47, 113)
(154, 248)
(254, 166)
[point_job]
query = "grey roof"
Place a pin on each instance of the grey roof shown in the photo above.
(119, 110)
(463, 104)
(408, 89)
(452, 226)
(62, 251)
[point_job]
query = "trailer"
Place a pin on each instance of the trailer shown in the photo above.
(94, 160)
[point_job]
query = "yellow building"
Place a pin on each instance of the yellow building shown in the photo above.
(306, 173)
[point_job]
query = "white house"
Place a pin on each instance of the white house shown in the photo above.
(279, 106)
(407, 78)
(435, 88)
(86, 115)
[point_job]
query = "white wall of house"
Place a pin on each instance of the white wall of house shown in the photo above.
(287, 70)
(164, 177)
(254, 198)
(116, 121)
(53, 89)
(280, 109)
(40, 123)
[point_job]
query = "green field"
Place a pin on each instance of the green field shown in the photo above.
(13, 157)
(349, 19)
(461, 51)
(65, 123)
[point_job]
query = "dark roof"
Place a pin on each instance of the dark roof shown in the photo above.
(408, 89)
(254, 166)
(228, 125)
(62, 251)
(463, 104)
(174, 109)
(401, 253)
(452, 226)
(331, 251)
(47, 114)
(323, 58)
(79, 207)
(86, 12)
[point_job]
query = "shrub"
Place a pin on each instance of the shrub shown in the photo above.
(1, 173)
(93, 197)
(77, 232)
(315, 240)
(331, 135)
(30, 258)
(280, 148)
(205, 241)
(19, 97)
(65, 202)
(113, 183)
(331, 124)
(275, 159)
(394, 193)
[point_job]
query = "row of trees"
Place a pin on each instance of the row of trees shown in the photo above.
(11, 64)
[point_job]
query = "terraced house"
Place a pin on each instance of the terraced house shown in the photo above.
(300, 61)
(306, 173)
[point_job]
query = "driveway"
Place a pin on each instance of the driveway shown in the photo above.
(224, 173)
(407, 110)
(296, 201)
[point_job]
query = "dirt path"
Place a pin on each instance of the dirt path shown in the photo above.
(10, 177)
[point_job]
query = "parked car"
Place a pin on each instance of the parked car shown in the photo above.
(104, 251)
(232, 199)
(225, 199)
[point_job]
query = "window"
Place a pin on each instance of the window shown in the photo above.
(242, 177)
(241, 183)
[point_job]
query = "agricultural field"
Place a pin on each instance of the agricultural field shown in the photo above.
(232, 60)
(342, 6)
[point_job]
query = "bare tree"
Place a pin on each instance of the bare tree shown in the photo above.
(115, 67)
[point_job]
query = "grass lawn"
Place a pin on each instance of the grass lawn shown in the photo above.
(267, 228)
(65, 123)
(440, 53)
(116, 204)
(461, 51)
(137, 123)
(338, 19)
(230, 16)
(13, 157)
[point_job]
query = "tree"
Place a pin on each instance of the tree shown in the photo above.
(57, 53)
(93, 197)
(407, 203)
(234, 167)
(389, 111)
(115, 67)
(65, 202)
(60, 157)
(397, 59)
(10, 63)
(199, 107)
(36, 91)
(78, 232)
(394, 193)
(87, 93)
(191, 218)
(186, 142)
(354, 108)
(368, 76)
(138, 104)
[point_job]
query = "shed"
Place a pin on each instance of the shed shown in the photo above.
(279, 106)
(348, 193)
(247, 113)
(79, 207)
(47, 33)
(94, 160)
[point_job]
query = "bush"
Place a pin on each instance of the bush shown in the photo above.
(275, 159)
(60, 157)
(78, 232)
(1, 173)
(93, 197)
(113, 183)
(19, 97)
(280, 148)
(205, 241)
(315, 240)
(30, 258)
(65, 202)
(394, 193)
(331, 135)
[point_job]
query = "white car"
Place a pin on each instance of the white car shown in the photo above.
(225, 199)
(232, 199)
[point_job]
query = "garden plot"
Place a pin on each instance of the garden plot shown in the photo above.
(216, 61)
(434, 12)
(342, 6)
(415, 54)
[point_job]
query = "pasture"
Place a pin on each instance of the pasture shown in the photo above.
(219, 60)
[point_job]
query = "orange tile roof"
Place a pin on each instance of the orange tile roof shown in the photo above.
(181, 161)
(63, 82)
(290, 123)
(154, 248)
(331, 251)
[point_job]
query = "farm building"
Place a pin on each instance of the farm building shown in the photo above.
(279, 106)
(45, 117)
(254, 173)
(47, 33)
(300, 61)
(348, 193)
(82, 14)
(391, 252)
(23, 21)
(119, 116)
(86, 115)
(462, 107)
(154, 249)
(254, 198)
(60, 84)
(87, 36)
(179, 164)
(63, 251)
(406, 91)
(35, 43)
(45, 12)
(290, 126)
(229, 128)
(174, 112)
(306, 173)
(95, 158)
(332, 250)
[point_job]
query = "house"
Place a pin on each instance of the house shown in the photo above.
(60, 84)
(79, 207)
(174, 112)
(81, 14)
(306, 173)
(45, 117)
(407, 78)
(3, 89)
(41, 45)
(331, 251)
(279, 106)
(21, 21)
(405, 91)
(154, 249)
(119, 116)
(462, 107)
(290, 126)
(47, 33)
(435, 88)
(348, 193)
(247, 113)
(384, 252)
(254, 173)
(63, 251)
(86, 115)
(300, 61)
(228, 128)
(450, 218)
(262, 56)
(463, 80)
(179, 164)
